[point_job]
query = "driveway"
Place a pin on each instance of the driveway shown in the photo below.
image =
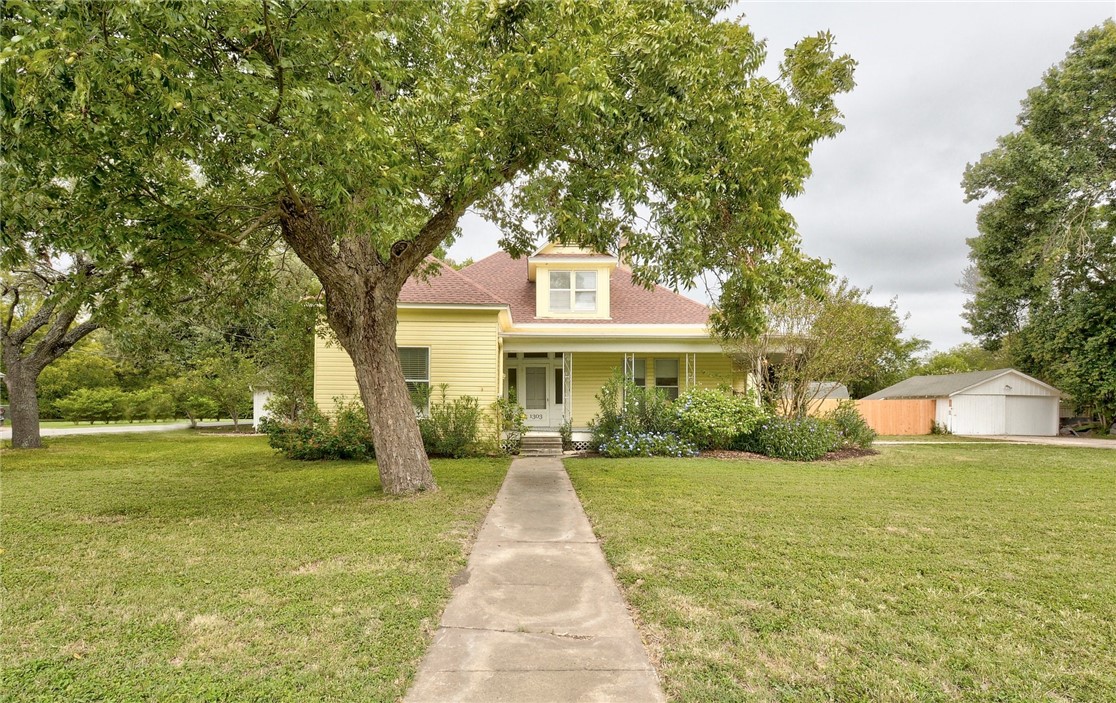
(1057, 441)
(6, 432)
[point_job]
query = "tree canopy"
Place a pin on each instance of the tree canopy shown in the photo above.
(840, 338)
(363, 131)
(1046, 252)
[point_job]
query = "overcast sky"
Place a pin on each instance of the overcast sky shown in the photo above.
(936, 84)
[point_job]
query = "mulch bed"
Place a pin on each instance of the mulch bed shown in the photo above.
(839, 455)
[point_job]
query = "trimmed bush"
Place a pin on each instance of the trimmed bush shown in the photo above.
(715, 418)
(796, 439)
(316, 437)
(451, 428)
(852, 429)
(628, 444)
(93, 404)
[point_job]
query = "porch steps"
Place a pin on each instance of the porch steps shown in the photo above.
(541, 445)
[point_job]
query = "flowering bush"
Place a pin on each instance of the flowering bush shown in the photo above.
(715, 418)
(626, 407)
(797, 439)
(314, 436)
(852, 429)
(627, 444)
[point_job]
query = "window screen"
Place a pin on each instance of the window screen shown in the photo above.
(640, 377)
(666, 377)
(560, 291)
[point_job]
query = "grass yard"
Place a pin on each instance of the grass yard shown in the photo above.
(179, 567)
(983, 572)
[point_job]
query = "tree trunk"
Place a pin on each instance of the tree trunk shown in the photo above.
(22, 382)
(361, 288)
(400, 455)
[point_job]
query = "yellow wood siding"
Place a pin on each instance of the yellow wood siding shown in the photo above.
(464, 353)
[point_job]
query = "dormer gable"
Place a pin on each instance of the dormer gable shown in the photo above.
(571, 282)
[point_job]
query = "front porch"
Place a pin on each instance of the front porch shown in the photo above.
(559, 388)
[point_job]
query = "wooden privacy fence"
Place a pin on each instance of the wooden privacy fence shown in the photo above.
(888, 417)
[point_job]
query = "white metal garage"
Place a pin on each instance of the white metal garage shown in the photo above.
(1000, 402)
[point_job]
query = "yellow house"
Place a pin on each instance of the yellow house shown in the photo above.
(548, 331)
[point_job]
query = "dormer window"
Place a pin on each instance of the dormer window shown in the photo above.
(573, 291)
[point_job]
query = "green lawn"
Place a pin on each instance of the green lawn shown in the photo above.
(178, 567)
(981, 572)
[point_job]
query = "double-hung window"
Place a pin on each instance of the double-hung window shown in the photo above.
(416, 372)
(573, 291)
(666, 377)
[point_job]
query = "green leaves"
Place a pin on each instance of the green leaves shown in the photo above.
(1047, 243)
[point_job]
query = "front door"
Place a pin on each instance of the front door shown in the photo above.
(536, 396)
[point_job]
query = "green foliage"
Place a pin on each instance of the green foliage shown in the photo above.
(565, 431)
(937, 428)
(1045, 256)
(835, 337)
(619, 124)
(627, 443)
(85, 366)
(715, 418)
(852, 429)
(315, 437)
(963, 358)
(93, 404)
(627, 408)
(509, 423)
(451, 428)
(796, 439)
(229, 377)
(1071, 343)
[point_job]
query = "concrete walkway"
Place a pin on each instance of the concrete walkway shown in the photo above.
(1090, 442)
(6, 431)
(536, 616)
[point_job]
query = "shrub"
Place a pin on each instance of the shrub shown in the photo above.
(315, 436)
(797, 439)
(625, 407)
(715, 418)
(93, 404)
(566, 433)
(628, 443)
(451, 428)
(852, 429)
(938, 428)
(510, 424)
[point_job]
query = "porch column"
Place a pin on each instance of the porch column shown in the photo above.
(567, 386)
(691, 371)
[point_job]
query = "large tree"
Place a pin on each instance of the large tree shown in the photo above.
(1046, 249)
(363, 131)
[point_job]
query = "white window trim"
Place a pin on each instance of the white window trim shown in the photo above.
(426, 380)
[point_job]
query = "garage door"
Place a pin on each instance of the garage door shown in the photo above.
(1032, 415)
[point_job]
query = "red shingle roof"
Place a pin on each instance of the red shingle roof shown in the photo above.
(446, 287)
(506, 278)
